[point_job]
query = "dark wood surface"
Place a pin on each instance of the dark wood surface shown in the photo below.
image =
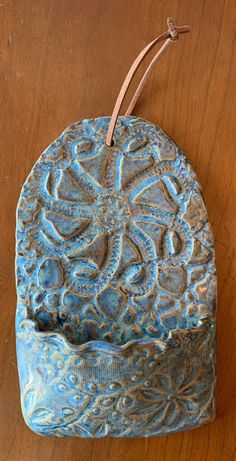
(64, 60)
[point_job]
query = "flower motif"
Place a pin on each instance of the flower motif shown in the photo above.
(110, 230)
(181, 394)
(117, 247)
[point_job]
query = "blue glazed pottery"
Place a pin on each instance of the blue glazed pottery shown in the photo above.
(116, 286)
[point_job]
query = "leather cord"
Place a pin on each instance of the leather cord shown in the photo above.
(170, 37)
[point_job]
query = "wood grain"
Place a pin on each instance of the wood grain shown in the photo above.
(65, 60)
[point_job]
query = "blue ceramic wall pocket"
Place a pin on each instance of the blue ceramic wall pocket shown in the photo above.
(116, 281)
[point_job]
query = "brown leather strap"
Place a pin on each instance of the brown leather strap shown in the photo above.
(170, 37)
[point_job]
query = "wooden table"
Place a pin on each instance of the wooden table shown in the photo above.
(65, 60)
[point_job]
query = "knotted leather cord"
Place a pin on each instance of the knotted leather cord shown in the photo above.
(170, 37)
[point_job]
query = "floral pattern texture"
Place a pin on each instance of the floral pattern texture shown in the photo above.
(140, 389)
(116, 286)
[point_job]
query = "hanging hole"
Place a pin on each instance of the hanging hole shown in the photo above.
(112, 143)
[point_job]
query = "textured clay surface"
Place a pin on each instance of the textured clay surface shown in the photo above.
(116, 286)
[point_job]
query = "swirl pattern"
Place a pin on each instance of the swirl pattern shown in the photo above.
(114, 246)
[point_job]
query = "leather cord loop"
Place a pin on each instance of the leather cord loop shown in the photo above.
(170, 37)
